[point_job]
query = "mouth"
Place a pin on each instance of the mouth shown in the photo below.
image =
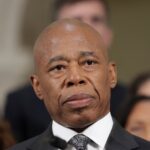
(79, 100)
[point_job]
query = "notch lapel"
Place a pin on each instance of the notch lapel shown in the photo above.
(120, 139)
(43, 141)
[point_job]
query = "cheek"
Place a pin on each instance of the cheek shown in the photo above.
(50, 86)
(101, 81)
(101, 84)
(51, 101)
(51, 90)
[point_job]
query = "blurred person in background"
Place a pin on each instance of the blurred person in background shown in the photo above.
(140, 85)
(135, 112)
(6, 138)
(25, 123)
(136, 118)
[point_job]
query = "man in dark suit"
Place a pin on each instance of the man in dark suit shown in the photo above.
(94, 13)
(74, 76)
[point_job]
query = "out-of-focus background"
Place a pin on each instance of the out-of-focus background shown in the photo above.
(22, 20)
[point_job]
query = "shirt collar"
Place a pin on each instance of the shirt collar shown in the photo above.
(97, 132)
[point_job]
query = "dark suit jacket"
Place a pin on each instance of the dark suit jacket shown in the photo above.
(118, 96)
(27, 114)
(119, 139)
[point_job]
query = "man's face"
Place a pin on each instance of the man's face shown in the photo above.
(74, 77)
(92, 13)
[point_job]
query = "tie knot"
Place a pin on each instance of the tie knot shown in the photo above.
(79, 141)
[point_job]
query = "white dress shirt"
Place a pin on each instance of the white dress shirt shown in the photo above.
(97, 132)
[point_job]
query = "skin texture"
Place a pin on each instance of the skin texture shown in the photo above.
(144, 89)
(91, 12)
(73, 74)
(138, 122)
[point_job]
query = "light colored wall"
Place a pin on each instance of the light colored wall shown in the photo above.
(20, 23)
(14, 58)
(131, 48)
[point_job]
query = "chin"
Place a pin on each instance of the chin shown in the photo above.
(81, 122)
(79, 127)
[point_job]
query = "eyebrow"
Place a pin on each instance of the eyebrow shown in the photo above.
(57, 58)
(62, 58)
(87, 53)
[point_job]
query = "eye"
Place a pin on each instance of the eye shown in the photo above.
(89, 62)
(136, 129)
(98, 19)
(57, 68)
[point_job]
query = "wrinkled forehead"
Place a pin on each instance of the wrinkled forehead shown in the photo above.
(67, 30)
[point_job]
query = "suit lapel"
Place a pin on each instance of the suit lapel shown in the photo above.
(43, 142)
(120, 140)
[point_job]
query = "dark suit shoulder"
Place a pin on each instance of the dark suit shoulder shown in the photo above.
(40, 142)
(120, 139)
(24, 145)
(143, 144)
(22, 93)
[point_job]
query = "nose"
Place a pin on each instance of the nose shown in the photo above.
(75, 77)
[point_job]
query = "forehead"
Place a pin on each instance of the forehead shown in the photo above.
(82, 8)
(68, 37)
(141, 109)
(144, 89)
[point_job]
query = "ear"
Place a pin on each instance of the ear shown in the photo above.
(36, 86)
(112, 74)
